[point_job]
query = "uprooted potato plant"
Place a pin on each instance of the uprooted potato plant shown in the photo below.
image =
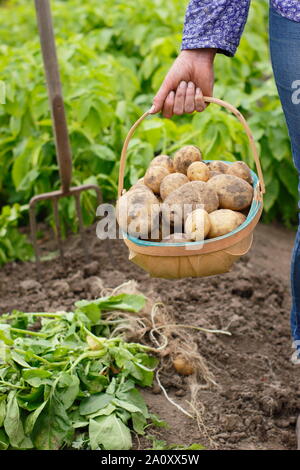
(70, 379)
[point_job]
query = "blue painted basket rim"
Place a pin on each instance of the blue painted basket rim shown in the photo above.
(254, 208)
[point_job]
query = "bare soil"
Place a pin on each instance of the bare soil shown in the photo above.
(258, 399)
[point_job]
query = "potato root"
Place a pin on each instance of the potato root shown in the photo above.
(223, 221)
(198, 171)
(197, 225)
(241, 170)
(185, 156)
(154, 176)
(165, 161)
(172, 182)
(234, 193)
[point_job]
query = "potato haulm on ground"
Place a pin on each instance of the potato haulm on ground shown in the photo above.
(189, 196)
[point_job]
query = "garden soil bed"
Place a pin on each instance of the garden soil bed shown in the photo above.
(258, 399)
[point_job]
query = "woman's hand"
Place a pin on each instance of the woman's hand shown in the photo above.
(189, 79)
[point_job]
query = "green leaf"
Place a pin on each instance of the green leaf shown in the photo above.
(67, 389)
(126, 406)
(109, 433)
(52, 426)
(4, 441)
(37, 377)
(20, 360)
(134, 397)
(94, 403)
(2, 411)
(109, 409)
(13, 424)
(288, 175)
(32, 417)
(271, 195)
(128, 302)
(139, 422)
(5, 335)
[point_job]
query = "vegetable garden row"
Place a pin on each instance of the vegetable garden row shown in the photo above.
(113, 58)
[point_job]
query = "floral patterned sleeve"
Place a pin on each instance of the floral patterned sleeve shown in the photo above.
(215, 23)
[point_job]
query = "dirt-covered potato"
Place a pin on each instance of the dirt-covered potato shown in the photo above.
(222, 221)
(187, 198)
(154, 176)
(240, 217)
(185, 156)
(214, 173)
(139, 183)
(234, 193)
(172, 182)
(183, 366)
(197, 225)
(138, 212)
(198, 171)
(241, 170)
(218, 166)
(176, 238)
(165, 161)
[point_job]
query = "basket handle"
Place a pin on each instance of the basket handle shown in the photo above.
(208, 100)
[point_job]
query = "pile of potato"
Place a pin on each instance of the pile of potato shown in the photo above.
(206, 200)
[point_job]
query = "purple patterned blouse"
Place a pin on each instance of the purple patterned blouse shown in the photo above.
(219, 23)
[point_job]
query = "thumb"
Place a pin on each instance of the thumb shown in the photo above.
(160, 97)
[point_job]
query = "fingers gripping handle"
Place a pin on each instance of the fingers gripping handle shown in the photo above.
(226, 105)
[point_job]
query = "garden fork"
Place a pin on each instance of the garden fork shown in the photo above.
(63, 149)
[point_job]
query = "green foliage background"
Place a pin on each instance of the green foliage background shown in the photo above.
(113, 57)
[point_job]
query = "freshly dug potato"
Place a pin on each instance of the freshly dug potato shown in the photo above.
(197, 225)
(176, 238)
(241, 170)
(198, 171)
(214, 173)
(138, 212)
(172, 182)
(187, 198)
(185, 156)
(139, 183)
(234, 193)
(165, 161)
(154, 176)
(183, 366)
(222, 221)
(218, 166)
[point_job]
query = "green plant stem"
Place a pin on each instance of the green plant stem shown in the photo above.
(41, 359)
(28, 332)
(94, 354)
(8, 384)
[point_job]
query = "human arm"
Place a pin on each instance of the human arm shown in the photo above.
(211, 26)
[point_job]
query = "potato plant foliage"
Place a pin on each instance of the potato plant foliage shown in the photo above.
(72, 382)
(113, 57)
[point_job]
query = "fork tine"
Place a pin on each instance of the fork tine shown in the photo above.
(33, 230)
(81, 228)
(58, 232)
